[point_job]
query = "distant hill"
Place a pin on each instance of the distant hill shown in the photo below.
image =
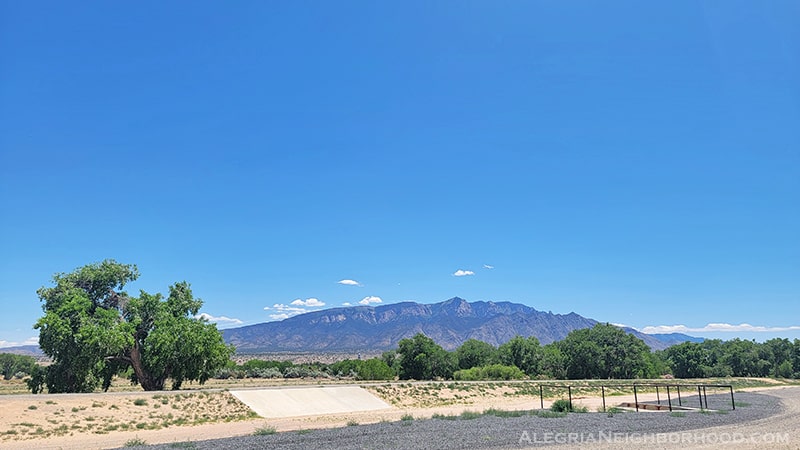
(28, 350)
(449, 323)
(676, 338)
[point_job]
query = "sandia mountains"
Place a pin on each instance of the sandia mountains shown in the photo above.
(449, 323)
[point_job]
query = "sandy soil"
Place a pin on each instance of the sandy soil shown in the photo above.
(107, 420)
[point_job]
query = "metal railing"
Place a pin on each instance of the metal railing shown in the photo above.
(701, 392)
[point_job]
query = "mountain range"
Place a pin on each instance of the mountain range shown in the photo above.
(449, 323)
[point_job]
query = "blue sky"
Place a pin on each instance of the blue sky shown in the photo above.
(636, 163)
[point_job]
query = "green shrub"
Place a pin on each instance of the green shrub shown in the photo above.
(561, 405)
(135, 442)
(492, 372)
(265, 431)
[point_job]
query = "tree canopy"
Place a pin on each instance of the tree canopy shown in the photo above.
(423, 359)
(92, 330)
(604, 351)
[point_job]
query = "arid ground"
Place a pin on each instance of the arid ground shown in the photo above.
(104, 420)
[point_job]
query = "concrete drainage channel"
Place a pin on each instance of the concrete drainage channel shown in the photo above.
(305, 401)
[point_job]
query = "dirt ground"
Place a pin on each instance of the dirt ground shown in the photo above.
(107, 420)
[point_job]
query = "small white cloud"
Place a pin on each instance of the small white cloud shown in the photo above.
(463, 273)
(347, 304)
(296, 307)
(220, 319)
(349, 282)
(370, 299)
(310, 302)
(486, 266)
(716, 327)
(29, 341)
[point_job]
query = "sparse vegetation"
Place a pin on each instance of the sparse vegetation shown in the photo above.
(135, 442)
(561, 405)
(266, 430)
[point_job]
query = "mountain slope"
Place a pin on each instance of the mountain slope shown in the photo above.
(449, 323)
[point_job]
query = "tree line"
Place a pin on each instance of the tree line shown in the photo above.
(602, 352)
(94, 331)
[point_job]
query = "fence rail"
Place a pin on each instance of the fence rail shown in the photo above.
(701, 392)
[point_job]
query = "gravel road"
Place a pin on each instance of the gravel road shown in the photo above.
(765, 419)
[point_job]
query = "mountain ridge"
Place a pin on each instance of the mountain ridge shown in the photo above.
(377, 328)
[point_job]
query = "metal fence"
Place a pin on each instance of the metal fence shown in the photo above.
(671, 389)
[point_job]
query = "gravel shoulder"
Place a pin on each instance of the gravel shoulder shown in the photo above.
(765, 419)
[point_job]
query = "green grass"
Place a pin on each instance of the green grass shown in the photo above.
(407, 417)
(135, 442)
(468, 415)
(504, 413)
(266, 430)
(187, 445)
(545, 414)
(677, 414)
(140, 402)
(32, 407)
(352, 423)
(443, 417)
(741, 404)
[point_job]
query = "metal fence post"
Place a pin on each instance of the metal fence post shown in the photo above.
(635, 398)
(603, 392)
(669, 400)
(700, 396)
(541, 398)
(569, 390)
(733, 403)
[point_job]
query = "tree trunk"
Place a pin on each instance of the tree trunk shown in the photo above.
(147, 382)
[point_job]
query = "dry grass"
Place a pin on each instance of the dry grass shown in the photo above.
(42, 417)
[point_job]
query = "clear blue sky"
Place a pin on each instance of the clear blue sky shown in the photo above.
(636, 163)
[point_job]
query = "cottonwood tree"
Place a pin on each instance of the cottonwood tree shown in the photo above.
(423, 359)
(92, 330)
(604, 351)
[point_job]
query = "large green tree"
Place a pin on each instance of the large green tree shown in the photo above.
(604, 351)
(423, 359)
(92, 330)
(525, 353)
(475, 353)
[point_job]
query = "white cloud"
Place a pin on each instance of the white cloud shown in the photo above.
(220, 319)
(370, 299)
(310, 302)
(486, 266)
(718, 327)
(463, 273)
(349, 282)
(347, 304)
(29, 341)
(296, 307)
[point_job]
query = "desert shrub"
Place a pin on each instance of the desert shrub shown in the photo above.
(266, 372)
(561, 405)
(304, 372)
(264, 431)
